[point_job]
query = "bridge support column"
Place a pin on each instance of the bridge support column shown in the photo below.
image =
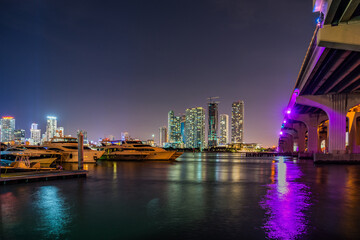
(354, 132)
(313, 137)
(300, 138)
(286, 143)
(336, 106)
(311, 122)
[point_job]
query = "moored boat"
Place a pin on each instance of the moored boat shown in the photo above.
(68, 147)
(136, 150)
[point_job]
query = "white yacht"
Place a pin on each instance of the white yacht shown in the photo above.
(68, 147)
(136, 150)
(34, 154)
(117, 152)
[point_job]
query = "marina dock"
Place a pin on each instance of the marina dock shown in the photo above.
(24, 177)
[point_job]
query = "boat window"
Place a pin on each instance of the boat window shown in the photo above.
(14, 149)
(55, 149)
(70, 147)
(35, 148)
(8, 157)
(140, 149)
(87, 148)
(131, 142)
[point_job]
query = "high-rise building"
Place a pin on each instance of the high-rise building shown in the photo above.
(162, 136)
(124, 136)
(51, 127)
(182, 129)
(7, 129)
(224, 129)
(213, 124)
(237, 122)
(86, 140)
(35, 134)
(19, 135)
(195, 127)
(174, 130)
(60, 132)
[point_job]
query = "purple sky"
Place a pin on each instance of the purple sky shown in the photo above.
(113, 66)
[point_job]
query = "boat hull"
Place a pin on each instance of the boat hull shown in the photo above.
(119, 156)
(89, 156)
(166, 155)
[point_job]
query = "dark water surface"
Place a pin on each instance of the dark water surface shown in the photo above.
(203, 196)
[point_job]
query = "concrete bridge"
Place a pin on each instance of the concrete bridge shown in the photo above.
(322, 118)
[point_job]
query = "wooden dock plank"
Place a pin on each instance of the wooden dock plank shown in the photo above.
(41, 176)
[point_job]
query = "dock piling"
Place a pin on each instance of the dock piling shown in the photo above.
(81, 150)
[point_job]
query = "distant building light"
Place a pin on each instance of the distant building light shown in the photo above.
(7, 117)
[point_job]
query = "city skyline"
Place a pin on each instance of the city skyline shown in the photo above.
(94, 78)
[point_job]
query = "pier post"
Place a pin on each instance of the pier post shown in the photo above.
(81, 151)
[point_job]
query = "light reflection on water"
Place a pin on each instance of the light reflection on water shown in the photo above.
(286, 203)
(53, 212)
(203, 196)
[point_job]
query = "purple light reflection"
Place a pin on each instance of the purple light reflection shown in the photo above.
(285, 203)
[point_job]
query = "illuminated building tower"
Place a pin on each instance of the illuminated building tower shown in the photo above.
(7, 129)
(182, 129)
(51, 127)
(195, 127)
(237, 122)
(60, 132)
(19, 136)
(86, 141)
(213, 124)
(125, 136)
(35, 134)
(224, 129)
(162, 136)
(174, 130)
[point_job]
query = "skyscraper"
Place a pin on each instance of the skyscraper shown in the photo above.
(35, 134)
(124, 136)
(19, 135)
(224, 129)
(51, 127)
(182, 129)
(213, 124)
(162, 136)
(7, 129)
(174, 130)
(237, 122)
(60, 132)
(195, 127)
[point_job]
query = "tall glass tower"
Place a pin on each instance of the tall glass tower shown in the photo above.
(174, 130)
(224, 129)
(237, 122)
(51, 127)
(162, 136)
(195, 127)
(213, 124)
(35, 134)
(7, 129)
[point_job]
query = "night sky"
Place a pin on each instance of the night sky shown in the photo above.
(113, 66)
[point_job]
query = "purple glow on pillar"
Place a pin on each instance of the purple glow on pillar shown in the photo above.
(284, 121)
(286, 203)
(288, 111)
(281, 133)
